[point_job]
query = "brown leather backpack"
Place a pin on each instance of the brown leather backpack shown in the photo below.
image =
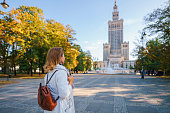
(45, 99)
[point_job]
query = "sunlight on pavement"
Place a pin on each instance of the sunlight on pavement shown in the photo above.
(93, 91)
(145, 98)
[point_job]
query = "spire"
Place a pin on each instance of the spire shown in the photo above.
(115, 7)
(115, 12)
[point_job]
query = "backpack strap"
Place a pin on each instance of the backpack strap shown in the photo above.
(47, 81)
(68, 74)
(57, 98)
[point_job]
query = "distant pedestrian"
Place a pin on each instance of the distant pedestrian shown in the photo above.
(61, 83)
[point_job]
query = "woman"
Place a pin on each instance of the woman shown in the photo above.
(61, 83)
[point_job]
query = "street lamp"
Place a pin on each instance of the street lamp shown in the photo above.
(4, 5)
(143, 34)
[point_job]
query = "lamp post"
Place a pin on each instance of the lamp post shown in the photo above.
(142, 74)
(4, 5)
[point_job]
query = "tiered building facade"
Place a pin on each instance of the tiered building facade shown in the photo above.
(116, 51)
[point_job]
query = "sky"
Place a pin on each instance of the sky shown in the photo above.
(89, 19)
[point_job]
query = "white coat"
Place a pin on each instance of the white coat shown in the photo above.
(59, 86)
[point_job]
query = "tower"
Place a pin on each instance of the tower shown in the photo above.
(115, 14)
(115, 51)
(115, 32)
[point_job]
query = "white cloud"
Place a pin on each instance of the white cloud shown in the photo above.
(96, 49)
(100, 42)
(86, 42)
(131, 21)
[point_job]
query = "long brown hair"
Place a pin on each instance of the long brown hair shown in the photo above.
(53, 58)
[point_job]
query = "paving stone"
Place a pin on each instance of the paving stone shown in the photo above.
(94, 107)
(39, 111)
(107, 108)
(31, 102)
(4, 89)
(104, 97)
(163, 109)
(11, 110)
(2, 101)
(99, 94)
(76, 103)
(141, 109)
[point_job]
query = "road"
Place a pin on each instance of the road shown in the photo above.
(95, 94)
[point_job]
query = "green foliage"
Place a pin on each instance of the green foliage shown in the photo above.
(157, 51)
(88, 61)
(158, 23)
(95, 65)
(26, 37)
(84, 61)
(130, 67)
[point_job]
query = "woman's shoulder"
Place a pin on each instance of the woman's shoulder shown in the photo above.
(61, 68)
(50, 73)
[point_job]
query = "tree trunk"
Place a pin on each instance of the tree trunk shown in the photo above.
(31, 62)
(34, 71)
(42, 70)
(4, 69)
(31, 68)
(39, 67)
(15, 74)
(5, 58)
(164, 72)
(28, 72)
(13, 60)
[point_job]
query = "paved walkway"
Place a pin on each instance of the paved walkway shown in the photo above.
(96, 94)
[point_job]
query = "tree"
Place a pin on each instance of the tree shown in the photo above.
(157, 23)
(88, 61)
(26, 37)
(130, 67)
(95, 65)
(157, 51)
(8, 38)
(81, 58)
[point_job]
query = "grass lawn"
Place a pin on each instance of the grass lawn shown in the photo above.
(5, 82)
(167, 77)
(24, 76)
